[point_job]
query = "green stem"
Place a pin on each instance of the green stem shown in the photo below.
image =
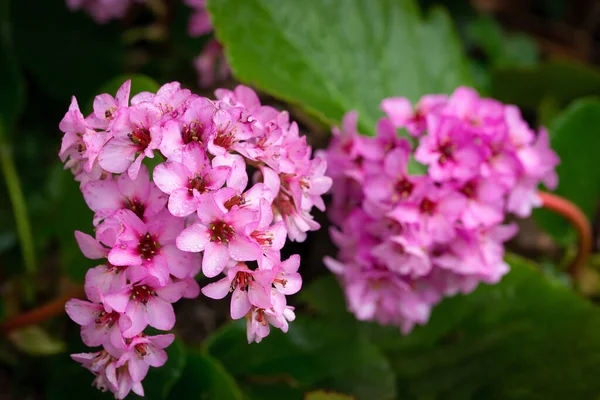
(19, 208)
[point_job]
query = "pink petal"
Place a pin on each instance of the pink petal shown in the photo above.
(138, 368)
(170, 176)
(218, 289)
(160, 314)
(117, 155)
(181, 264)
(101, 195)
(182, 203)
(124, 256)
(240, 304)
(134, 168)
(117, 301)
(214, 259)
(243, 249)
(194, 158)
(172, 292)
(156, 358)
(135, 189)
(259, 296)
(193, 238)
(90, 247)
(136, 312)
(82, 312)
(292, 285)
(162, 341)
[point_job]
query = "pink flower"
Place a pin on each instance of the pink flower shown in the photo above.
(144, 352)
(104, 279)
(187, 181)
(106, 107)
(151, 246)
(405, 240)
(247, 291)
(195, 125)
(80, 144)
(147, 303)
(221, 235)
(401, 114)
(436, 212)
(139, 195)
(448, 150)
(134, 137)
(98, 325)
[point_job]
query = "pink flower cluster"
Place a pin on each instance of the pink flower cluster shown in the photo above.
(407, 239)
(211, 64)
(102, 11)
(201, 211)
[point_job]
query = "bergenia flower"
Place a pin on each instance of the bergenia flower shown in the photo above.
(199, 210)
(407, 240)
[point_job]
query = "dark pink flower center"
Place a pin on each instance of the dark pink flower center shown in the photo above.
(107, 319)
(241, 280)
(404, 187)
(147, 247)
(446, 150)
(427, 206)
(224, 139)
(198, 183)
(141, 137)
(142, 293)
(136, 206)
(221, 232)
(191, 132)
(140, 350)
(469, 190)
(236, 200)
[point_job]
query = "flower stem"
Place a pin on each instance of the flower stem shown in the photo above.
(578, 219)
(40, 314)
(19, 206)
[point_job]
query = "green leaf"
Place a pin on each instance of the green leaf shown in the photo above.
(314, 354)
(524, 338)
(526, 87)
(161, 382)
(66, 52)
(322, 395)
(205, 378)
(503, 50)
(575, 140)
(334, 56)
(36, 341)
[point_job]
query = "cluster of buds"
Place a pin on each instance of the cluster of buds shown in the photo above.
(407, 238)
(236, 181)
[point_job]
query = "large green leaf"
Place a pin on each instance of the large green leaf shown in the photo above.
(337, 55)
(574, 136)
(314, 354)
(524, 338)
(66, 52)
(205, 378)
